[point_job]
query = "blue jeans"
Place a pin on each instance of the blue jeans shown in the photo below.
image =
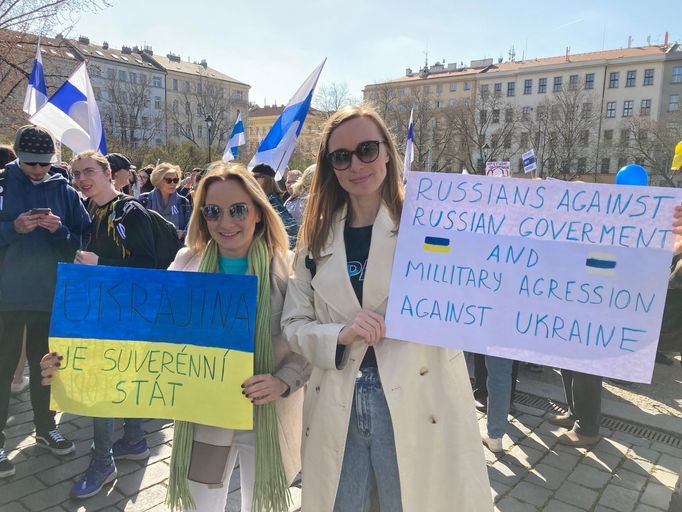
(370, 451)
(103, 430)
(499, 385)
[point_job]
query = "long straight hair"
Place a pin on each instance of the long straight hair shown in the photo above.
(327, 196)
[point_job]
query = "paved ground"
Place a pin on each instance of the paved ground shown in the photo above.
(623, 473)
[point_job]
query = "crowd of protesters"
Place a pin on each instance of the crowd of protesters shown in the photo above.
(375, 412)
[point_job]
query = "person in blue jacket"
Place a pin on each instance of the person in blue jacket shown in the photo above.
(42, 222)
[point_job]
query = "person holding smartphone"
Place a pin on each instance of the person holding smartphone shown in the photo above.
(42, 222)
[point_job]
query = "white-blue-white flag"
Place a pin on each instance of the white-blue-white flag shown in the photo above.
(279, 144)
(409, 148)
(529, 161)
(36, 92)
(237, 139)
(71, 114)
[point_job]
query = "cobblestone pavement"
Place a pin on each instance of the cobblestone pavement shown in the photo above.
(622, 473)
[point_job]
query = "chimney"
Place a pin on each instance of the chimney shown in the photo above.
(408, 71)
(148, 50)
(499, 60)
(83, 40)
(172, 57)
(105, 45)
(203, 63)
(665, 39)
(126, 50)
(629, 41)
(568, 53)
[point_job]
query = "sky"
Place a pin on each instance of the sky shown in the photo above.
(273, 45)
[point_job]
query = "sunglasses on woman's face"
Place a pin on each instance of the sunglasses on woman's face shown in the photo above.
(172, 180)
(213, 212)
(34, 164)
(366, 151)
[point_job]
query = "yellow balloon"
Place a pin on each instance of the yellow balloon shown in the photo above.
(677, 159)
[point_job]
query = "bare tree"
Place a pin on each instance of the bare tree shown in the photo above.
(651, 143)
(44, 16)
(331, 97)
(127, 114)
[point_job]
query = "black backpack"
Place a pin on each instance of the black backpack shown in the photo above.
(166, 241)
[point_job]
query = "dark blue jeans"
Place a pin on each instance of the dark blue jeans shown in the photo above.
(370, 451)
(103, 430)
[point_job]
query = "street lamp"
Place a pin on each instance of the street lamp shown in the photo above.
(209, 125)
(485, 149)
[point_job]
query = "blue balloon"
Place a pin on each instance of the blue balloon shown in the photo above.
(632, 174)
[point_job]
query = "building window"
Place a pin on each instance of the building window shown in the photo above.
(624, 136)
(186, 87)
(611, 109)
(541, 112)
(648, 77)
(133, 77)
(157, 102)
(439, 88)
(587, 110)
(674, 102)
(508, 115)
(628, 107)
(175, 84)
(467, 86)
(111, 73)
(525, 113)
(440, 103)
(507, 142)
(466, 102)
(584, 138)
(589, 81)
(483, 116)
(542, 86)
(582, 164)
(427, 89)
(511, 88)
(401, 93)
(121, 75)
(498, 88)
(631, 79)
(605, 164)
(677, 75)
(621, 162)
(557, 84)
(145, 122)
(452, 102)
(485, 90)
(200, 130)
(614, 77)
(645, 108)
(496, 116)
(573, 82)
(608, 138)
(528, 86)
(524, 141)
(453, 87)
(157, 82)
(555, 112)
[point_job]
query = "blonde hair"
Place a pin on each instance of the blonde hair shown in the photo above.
(161, 170)
(270, 226)
(302, 185)
(96, 156)
(327, 196)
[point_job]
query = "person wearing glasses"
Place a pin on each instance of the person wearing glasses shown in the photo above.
(387, 423)
(41, 222)
(235, 230)
(265, 176)
(121, 235)
(165, 199)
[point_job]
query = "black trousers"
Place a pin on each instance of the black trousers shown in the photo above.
(583, 395)
(37, 329)
(481, 376)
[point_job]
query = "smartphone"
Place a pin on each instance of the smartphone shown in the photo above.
(40, 211)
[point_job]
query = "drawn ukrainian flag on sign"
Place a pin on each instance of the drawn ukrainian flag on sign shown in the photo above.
(141, 343)
(436, 244)
(601, 263)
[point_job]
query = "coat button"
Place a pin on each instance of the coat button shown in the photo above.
(433, 420)
(424, 371)
(307, 431)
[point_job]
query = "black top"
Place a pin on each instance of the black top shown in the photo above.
(126, 242)
(357, 241)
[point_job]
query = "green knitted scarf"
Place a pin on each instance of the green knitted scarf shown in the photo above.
(271, 489)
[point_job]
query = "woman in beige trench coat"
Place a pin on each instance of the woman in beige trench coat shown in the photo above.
(385, 422)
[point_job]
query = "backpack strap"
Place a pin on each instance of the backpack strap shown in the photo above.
(3, 187)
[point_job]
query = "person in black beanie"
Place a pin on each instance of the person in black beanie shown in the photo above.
(265, 176)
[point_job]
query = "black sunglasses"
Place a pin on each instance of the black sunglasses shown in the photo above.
(213, 212)
(366, 151)
(172, 180)
(41, 164)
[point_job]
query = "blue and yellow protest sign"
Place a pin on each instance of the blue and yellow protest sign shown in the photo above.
(141, 343)
(570, 275)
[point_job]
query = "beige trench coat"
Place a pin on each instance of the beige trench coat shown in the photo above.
(438, 444)
(293, 369)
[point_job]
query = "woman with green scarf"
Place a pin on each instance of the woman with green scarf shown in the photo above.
(234, 230)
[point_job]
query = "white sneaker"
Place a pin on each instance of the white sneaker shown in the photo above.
(494, 444)
(19, 387)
